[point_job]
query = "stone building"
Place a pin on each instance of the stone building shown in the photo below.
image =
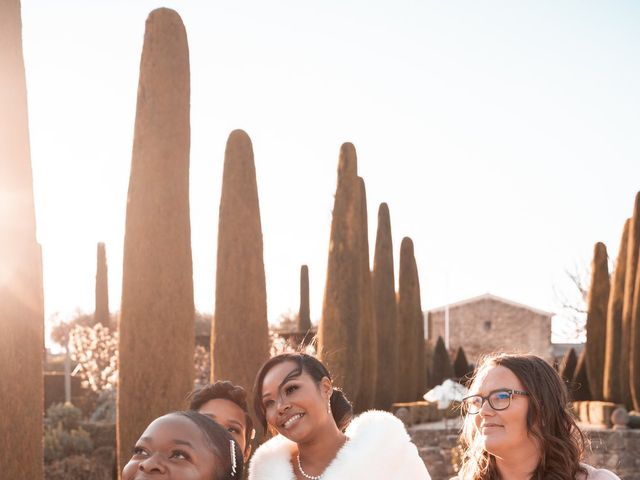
(488, 323)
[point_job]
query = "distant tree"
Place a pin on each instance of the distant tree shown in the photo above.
(441, 368)
(598, 301)
(568, 365)
(579, 389)
(304, 318)
(612, 388)
(339, 328)
(461, 366)
(95, 350)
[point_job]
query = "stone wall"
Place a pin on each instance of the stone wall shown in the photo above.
(615, 450)
(488, 324)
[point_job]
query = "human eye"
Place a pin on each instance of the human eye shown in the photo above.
(180, 455)
(233, 430)
(268, 404)
(139, 451)
(291, 388)
(502, 395)
(474, 402)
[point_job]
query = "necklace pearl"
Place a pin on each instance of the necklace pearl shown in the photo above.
(306, 475)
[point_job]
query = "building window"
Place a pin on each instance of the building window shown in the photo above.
(487, 325)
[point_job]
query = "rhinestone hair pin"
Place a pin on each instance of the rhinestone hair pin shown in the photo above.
(233, 458)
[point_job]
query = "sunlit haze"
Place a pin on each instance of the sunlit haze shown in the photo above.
(503, 135)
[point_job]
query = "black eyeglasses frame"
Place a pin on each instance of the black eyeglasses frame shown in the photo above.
(510, 391)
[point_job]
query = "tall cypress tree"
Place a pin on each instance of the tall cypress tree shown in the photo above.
(304, 318)
(568, 365)
(240, 333)
(597, 320)
(101, 314)
(21, 300)
(385, 312)
(634, 357)
(441, 369)
(339, 329)
(612, 389)
(580, 389)
(368, 329)
(157, 313)
(633, 246)
(409, 365)
(461, 367)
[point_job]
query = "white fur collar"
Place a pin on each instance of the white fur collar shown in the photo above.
(379, 448)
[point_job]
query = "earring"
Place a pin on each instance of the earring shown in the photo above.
(329, 407)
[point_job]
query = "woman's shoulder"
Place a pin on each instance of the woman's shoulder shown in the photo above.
(597, 474)
(377, 421)
(271, 461)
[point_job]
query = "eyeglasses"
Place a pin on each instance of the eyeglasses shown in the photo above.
(498, 400)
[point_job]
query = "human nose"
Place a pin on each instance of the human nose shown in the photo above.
(151, 464)
(486, 408)
(282, 404)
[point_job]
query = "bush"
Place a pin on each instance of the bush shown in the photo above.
(60, 443)
(106, 407)
(65, 414)
(76, 467)
(102, 434)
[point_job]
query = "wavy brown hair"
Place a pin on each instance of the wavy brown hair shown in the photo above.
(549, 421)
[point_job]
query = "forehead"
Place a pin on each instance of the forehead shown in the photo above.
(223, 409)
(275, 376)
(494, 378)
(174, 427)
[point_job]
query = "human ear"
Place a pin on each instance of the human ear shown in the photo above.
(326, 387)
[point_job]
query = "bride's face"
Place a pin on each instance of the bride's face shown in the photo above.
(295, 405)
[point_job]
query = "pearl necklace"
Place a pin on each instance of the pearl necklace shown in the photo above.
(305, 474)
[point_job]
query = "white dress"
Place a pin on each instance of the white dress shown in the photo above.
(379, 448)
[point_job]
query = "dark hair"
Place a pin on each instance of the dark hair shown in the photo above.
(549, 421)
(228, 391)
(220, 442)
(341, 408)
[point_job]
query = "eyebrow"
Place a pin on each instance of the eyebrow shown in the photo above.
(295, 373)
(177, 441)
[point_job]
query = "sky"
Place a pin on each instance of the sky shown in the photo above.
(503, 135)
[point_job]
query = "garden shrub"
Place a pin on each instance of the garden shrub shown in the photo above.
(65, 414)
(60, 443)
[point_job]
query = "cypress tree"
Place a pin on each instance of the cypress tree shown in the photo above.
(101, 314)
(441, 368)
(612, 389)
(461, 367)
(633, 244)
(385, 312)
(410, 366)
(304, 318)
(580, 389)
(634, 357)
(157, 313)
(240, 333)
(339, 329)
(597, 302)
(21, 299)
(368, 331)
(568, 365)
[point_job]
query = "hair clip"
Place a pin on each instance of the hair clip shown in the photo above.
(233, 458)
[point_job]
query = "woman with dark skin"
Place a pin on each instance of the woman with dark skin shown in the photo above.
(316, 437)
(226, 403)
(185, 446)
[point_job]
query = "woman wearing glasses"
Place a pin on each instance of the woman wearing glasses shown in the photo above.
(517, 424)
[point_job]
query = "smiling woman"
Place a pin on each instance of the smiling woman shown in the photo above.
(518, 426)
(315, 437)
(185, 445)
